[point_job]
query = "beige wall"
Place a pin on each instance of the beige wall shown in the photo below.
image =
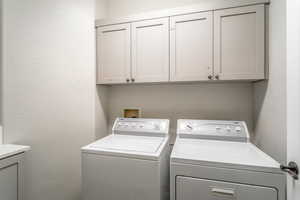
(49, 90)
(1, 84)
(192, 101)
(101, 111)
(270, 96)
(129, 7)
(49, 93)
(201, 100)
(101, 9)
(265, 112)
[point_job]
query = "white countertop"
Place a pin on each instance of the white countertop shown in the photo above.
(7, 150)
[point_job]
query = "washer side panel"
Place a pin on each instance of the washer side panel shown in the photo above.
(111, 178)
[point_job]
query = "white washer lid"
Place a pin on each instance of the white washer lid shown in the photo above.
(145, 147)
(236, 155)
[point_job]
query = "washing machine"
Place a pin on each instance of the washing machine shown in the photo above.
(132, 163)
(214, 160)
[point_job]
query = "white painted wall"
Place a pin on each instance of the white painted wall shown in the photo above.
(49, 90)
(270, 96)
(192, 101)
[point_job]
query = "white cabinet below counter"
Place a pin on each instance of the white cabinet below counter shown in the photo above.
(224, 44)
(11, 171)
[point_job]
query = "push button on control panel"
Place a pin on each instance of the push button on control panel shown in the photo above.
(228, 129)
(238, 129)
(157, 127)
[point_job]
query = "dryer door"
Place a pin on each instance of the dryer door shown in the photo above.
(201, 189)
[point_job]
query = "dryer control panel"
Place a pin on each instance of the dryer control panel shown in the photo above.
(140, 126)
(213, 129)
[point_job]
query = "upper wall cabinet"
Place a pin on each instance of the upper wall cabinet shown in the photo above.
(113, 49)
(191, 50)
(150, 51)
(239, 43)
(188, 45)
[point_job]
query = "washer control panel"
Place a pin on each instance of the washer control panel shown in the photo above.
(139, 125)
(213, 129)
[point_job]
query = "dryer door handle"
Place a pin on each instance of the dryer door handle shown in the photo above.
(221, 191)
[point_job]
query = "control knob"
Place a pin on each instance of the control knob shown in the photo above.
(189, 127)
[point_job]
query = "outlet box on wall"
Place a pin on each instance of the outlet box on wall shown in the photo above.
(132, 112)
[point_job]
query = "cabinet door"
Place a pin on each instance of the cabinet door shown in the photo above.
(9, 182)
(240, 43)
(150, 50)
(202, 189)
(191, 47)
(113, 52)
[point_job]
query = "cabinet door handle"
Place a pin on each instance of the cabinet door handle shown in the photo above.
(132, 79)
(209, 77)
(217, 77)
(127, 80)
(228, 192)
